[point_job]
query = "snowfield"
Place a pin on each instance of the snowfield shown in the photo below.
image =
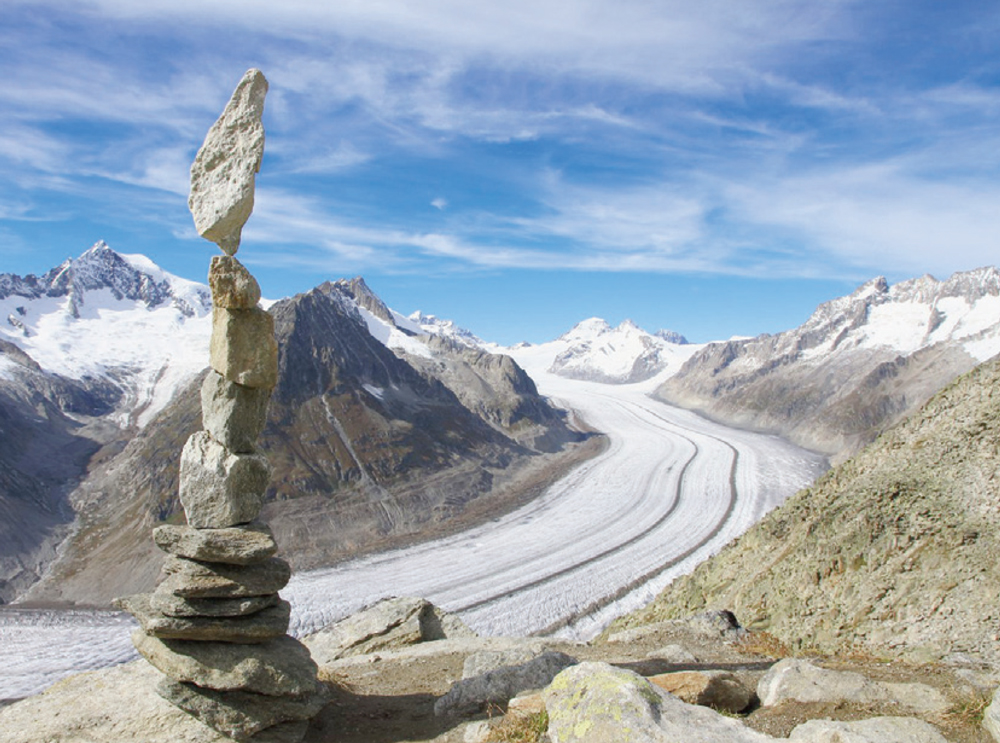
(669, 491)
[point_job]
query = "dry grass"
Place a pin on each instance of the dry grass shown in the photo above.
(763, 643)
(520, 727)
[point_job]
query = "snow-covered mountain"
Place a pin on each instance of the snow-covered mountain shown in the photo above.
(594, 351)
(857, 365)
(115, 318)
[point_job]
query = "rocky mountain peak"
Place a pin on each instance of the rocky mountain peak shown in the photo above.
(363, 296)
(671, 336)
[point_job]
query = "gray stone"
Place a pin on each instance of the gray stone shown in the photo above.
(598, 703)
(991, 718)
(203, 580)
(501, 684)
(223, 172)
(240, 714)
(220, 489)
(719, 690)
(243, 348)
(277, 667)
(387, 625)
(112, 705)
(674, 654)
(484, 661)
(233, 414)
(175, 606)
(802, 681)
(233, 286)
(254, 628)
(236, 545)
(874, 730)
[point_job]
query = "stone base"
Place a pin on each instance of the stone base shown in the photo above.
(239, 714)
(256, 628)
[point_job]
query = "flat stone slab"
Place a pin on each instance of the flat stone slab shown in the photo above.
(236, 545)
(218, 488)
(874, 730)
(275, 668)
(194, 579)
(243, 348)
(720, 690)
(175, 606)
(233, 414)
(255, 628)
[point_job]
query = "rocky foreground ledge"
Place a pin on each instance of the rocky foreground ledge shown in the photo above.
(403, 670)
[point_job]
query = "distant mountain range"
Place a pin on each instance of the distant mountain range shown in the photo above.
(100, 365)
(858, 365)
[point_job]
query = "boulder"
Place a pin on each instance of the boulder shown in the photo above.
(498, 685)
(220, 489)
(224, 170)
(991, 718)
(194, 579)
(720, 690)
(175, 606)
(387, 625)
(598, 703)
(258, 627)
(243, 348)
(240, 714)
(674, 654)
(236, 545)
(233, 414)
(874, 730)
(277, 667)
(233, 286)
(803, 681)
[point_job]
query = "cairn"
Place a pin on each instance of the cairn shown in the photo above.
(215, 626)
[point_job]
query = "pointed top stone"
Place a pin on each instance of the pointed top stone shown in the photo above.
(222, 175)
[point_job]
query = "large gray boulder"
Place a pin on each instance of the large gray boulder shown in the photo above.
(505, 678)
(803, 681)
(598, 703)
(224, 170)
(388, 625)
(874, 730)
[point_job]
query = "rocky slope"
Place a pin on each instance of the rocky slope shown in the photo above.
(858, 365)
(367, 450)
(894, 550)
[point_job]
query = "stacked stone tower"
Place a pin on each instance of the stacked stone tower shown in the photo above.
(215, 626)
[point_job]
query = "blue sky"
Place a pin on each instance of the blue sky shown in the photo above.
(717, 168)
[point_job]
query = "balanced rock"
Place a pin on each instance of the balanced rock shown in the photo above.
(218, 488)
(205, 580)
(175, 606)
(254, 628)
(233, 286)
(275, 668)
(224, 170)
(232, 413)
(240, 714)
(243, 348)
(237, 545)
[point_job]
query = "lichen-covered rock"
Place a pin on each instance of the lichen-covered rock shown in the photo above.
(233, 286)
(598, 703)
(233, 414)
(240, 714)
(874, 730)
(210, 580)
(237, 545)
(218, 488)
(260, 626)
(224, 170)
(243, 348)
(280, 666)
